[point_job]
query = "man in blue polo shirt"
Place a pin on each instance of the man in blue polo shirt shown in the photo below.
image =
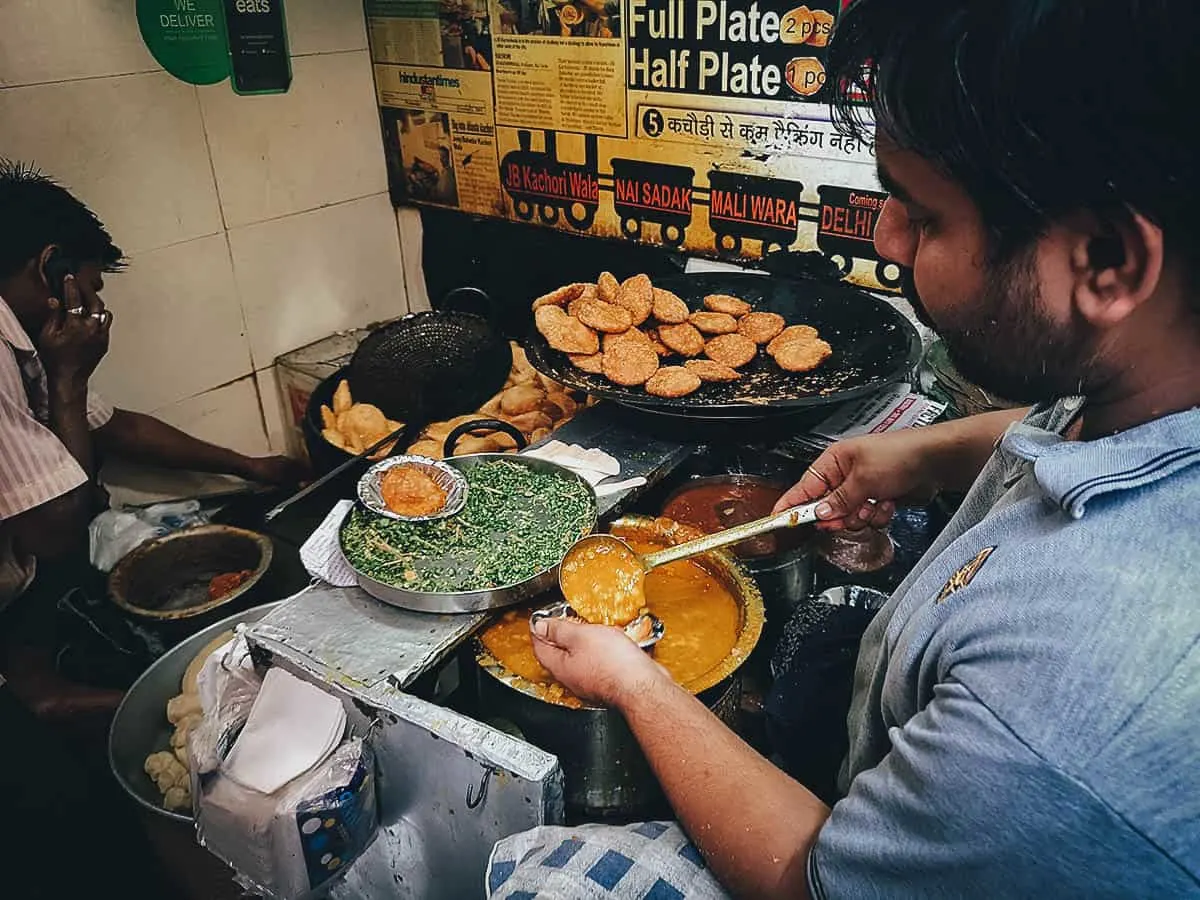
(1026, 717)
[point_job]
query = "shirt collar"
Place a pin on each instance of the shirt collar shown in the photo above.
(11, 331)
(1075, 472)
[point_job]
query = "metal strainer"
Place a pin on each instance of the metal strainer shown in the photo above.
(430, 365)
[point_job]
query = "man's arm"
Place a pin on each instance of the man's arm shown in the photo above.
(911, 465)
(752, 822)
(145, 439)
(71, 346)
(58, 527)
(960, 805)
(963, 447)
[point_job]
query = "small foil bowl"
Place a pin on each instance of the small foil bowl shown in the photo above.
(450, 479)
(645, 631)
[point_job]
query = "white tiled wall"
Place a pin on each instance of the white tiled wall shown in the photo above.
(330, 267)
(221, 416)
(254, 225)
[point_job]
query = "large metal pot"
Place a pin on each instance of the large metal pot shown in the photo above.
(604, 771)
(140, 726)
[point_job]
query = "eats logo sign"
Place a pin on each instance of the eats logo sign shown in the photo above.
(769, 49)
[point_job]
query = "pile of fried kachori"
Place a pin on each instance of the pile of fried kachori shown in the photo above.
(624, 330)
(532, 403)
(354, 427)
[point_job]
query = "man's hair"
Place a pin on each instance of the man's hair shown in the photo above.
(1037, 108)
(36, 212)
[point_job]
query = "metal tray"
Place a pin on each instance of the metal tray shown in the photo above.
(490, 598)
(874, 345)
(140, 725)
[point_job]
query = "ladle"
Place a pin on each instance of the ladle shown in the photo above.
(625, 586)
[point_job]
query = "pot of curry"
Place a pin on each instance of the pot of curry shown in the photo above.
(713, 614)
(781, 563)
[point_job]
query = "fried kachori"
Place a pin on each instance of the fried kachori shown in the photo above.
(714, 322)
(712, 371)
(630, 364)
(731, 350)
(803, 356)
(761, 327)
(724, 303)
(668, 308)
(673, 382)
(565, 333)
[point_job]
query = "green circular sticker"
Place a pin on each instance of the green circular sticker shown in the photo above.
(187, 38)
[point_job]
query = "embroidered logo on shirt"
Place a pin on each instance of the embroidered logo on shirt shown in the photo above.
(965, 575)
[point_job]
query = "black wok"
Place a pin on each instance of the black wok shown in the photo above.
(874, 345)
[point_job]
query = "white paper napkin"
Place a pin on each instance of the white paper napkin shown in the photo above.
(293, 725)
(593, 465)
(322, 552)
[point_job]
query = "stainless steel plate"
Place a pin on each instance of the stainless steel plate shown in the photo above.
(490, 598)
(140, 726)
(448, 478)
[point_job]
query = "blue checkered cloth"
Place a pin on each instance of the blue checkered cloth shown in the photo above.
(649, 861)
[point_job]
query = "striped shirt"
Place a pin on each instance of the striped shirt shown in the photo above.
(35, 466)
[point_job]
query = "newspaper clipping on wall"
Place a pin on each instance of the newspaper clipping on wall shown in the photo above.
(699, 125)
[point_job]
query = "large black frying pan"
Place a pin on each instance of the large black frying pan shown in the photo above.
(873, 346)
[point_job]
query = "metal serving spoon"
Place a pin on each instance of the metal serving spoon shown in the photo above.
(629, 590)
(621, 552)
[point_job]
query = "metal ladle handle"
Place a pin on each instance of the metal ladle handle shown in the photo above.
(789, 518)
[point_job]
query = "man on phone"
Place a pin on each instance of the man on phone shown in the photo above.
(54, 331)
(54, 428)
(1026, 715)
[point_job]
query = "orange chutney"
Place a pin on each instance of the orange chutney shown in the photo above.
(701, 616)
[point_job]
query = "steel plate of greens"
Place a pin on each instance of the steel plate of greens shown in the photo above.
(516, 524)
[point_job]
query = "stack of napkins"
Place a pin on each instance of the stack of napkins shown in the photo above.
(292, 727)
(595, 466)
(322, 552)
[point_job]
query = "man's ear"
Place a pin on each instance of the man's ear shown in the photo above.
(41, 260)
(1116, 265)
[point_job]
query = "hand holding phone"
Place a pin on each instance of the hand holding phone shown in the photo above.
(55, 270)
(75, 336)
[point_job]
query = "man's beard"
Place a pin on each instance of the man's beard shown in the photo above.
(1004, 342)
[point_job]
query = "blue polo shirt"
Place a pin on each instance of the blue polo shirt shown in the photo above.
(1026, 719)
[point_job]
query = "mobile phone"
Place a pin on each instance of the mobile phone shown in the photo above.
(258, 46)
(58, 266)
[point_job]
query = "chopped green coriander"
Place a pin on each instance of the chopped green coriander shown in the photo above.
(517, 523)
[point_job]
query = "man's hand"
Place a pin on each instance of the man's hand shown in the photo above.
(75, 336)
(595, 662)
(882, 468)
(753, 823)
(910, 465)
(277, 471)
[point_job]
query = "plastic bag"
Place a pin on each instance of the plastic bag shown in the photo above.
(292, 843)
(228, 686)
(115, 533)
